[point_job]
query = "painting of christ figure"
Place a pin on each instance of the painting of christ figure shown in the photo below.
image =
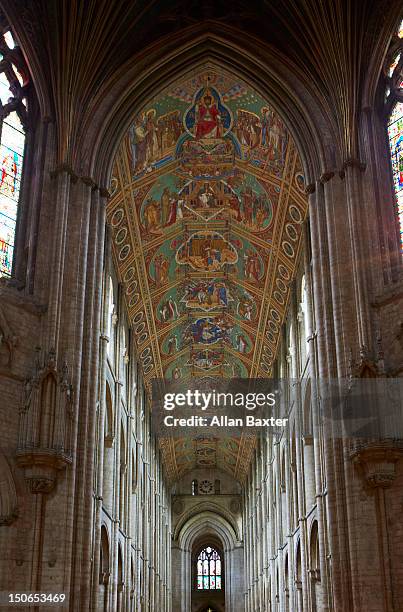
(208, 117)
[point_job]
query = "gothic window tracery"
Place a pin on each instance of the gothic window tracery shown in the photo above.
(13, 121)
(209, 575)
(394, 104)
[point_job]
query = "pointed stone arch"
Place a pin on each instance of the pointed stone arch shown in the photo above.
(270, 77)
(201, 526)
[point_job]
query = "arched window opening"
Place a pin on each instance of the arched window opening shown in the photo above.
(122, 478)
(108, 433)
(132, 585)
(314, 566)
(13, 96)
(104, 557)
(209, 571)
(286, 585)
(394, 90)
(395, 132)
(121, 583)
(294, 479)
(302, 319)
(111, 317)
(283, 495)
(195, 487)
(298, 575)
(134, 467)
(290, 351)
(217, 487)
(124, 358)
(314, 552)
(108, 458)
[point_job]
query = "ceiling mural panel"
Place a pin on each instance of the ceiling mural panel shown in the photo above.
(207, 206)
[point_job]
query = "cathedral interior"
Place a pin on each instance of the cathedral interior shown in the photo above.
(193, 191)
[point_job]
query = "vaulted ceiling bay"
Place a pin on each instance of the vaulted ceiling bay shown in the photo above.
(207, 206)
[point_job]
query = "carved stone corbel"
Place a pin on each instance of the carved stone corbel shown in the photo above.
(377, 462)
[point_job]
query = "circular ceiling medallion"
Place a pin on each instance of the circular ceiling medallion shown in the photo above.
(279, 297)
(281, 285)
(131, 288)
(284, 272)
(124, 252)
(270, 337)
(288, 249)
(267, 350)
(142, 338)
(129, 274)
(117, 217)
(121, 236)
(295, 213)
(139, 328)
(138, 317)
(134, 300)
(265, 367)
(291, 232)
(273, 326)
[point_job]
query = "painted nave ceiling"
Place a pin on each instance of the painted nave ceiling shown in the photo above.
(206, 209)
(206, 222)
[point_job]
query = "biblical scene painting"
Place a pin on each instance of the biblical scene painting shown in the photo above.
(207, 208)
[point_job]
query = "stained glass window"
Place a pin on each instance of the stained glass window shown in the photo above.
(13, 86)
(395, 131)
(209, 570)
(394, 92)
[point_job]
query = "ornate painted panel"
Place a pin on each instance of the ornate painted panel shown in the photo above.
(207, 206)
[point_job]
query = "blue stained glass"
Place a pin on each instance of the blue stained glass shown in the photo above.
(205, 582)
(395, 132)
